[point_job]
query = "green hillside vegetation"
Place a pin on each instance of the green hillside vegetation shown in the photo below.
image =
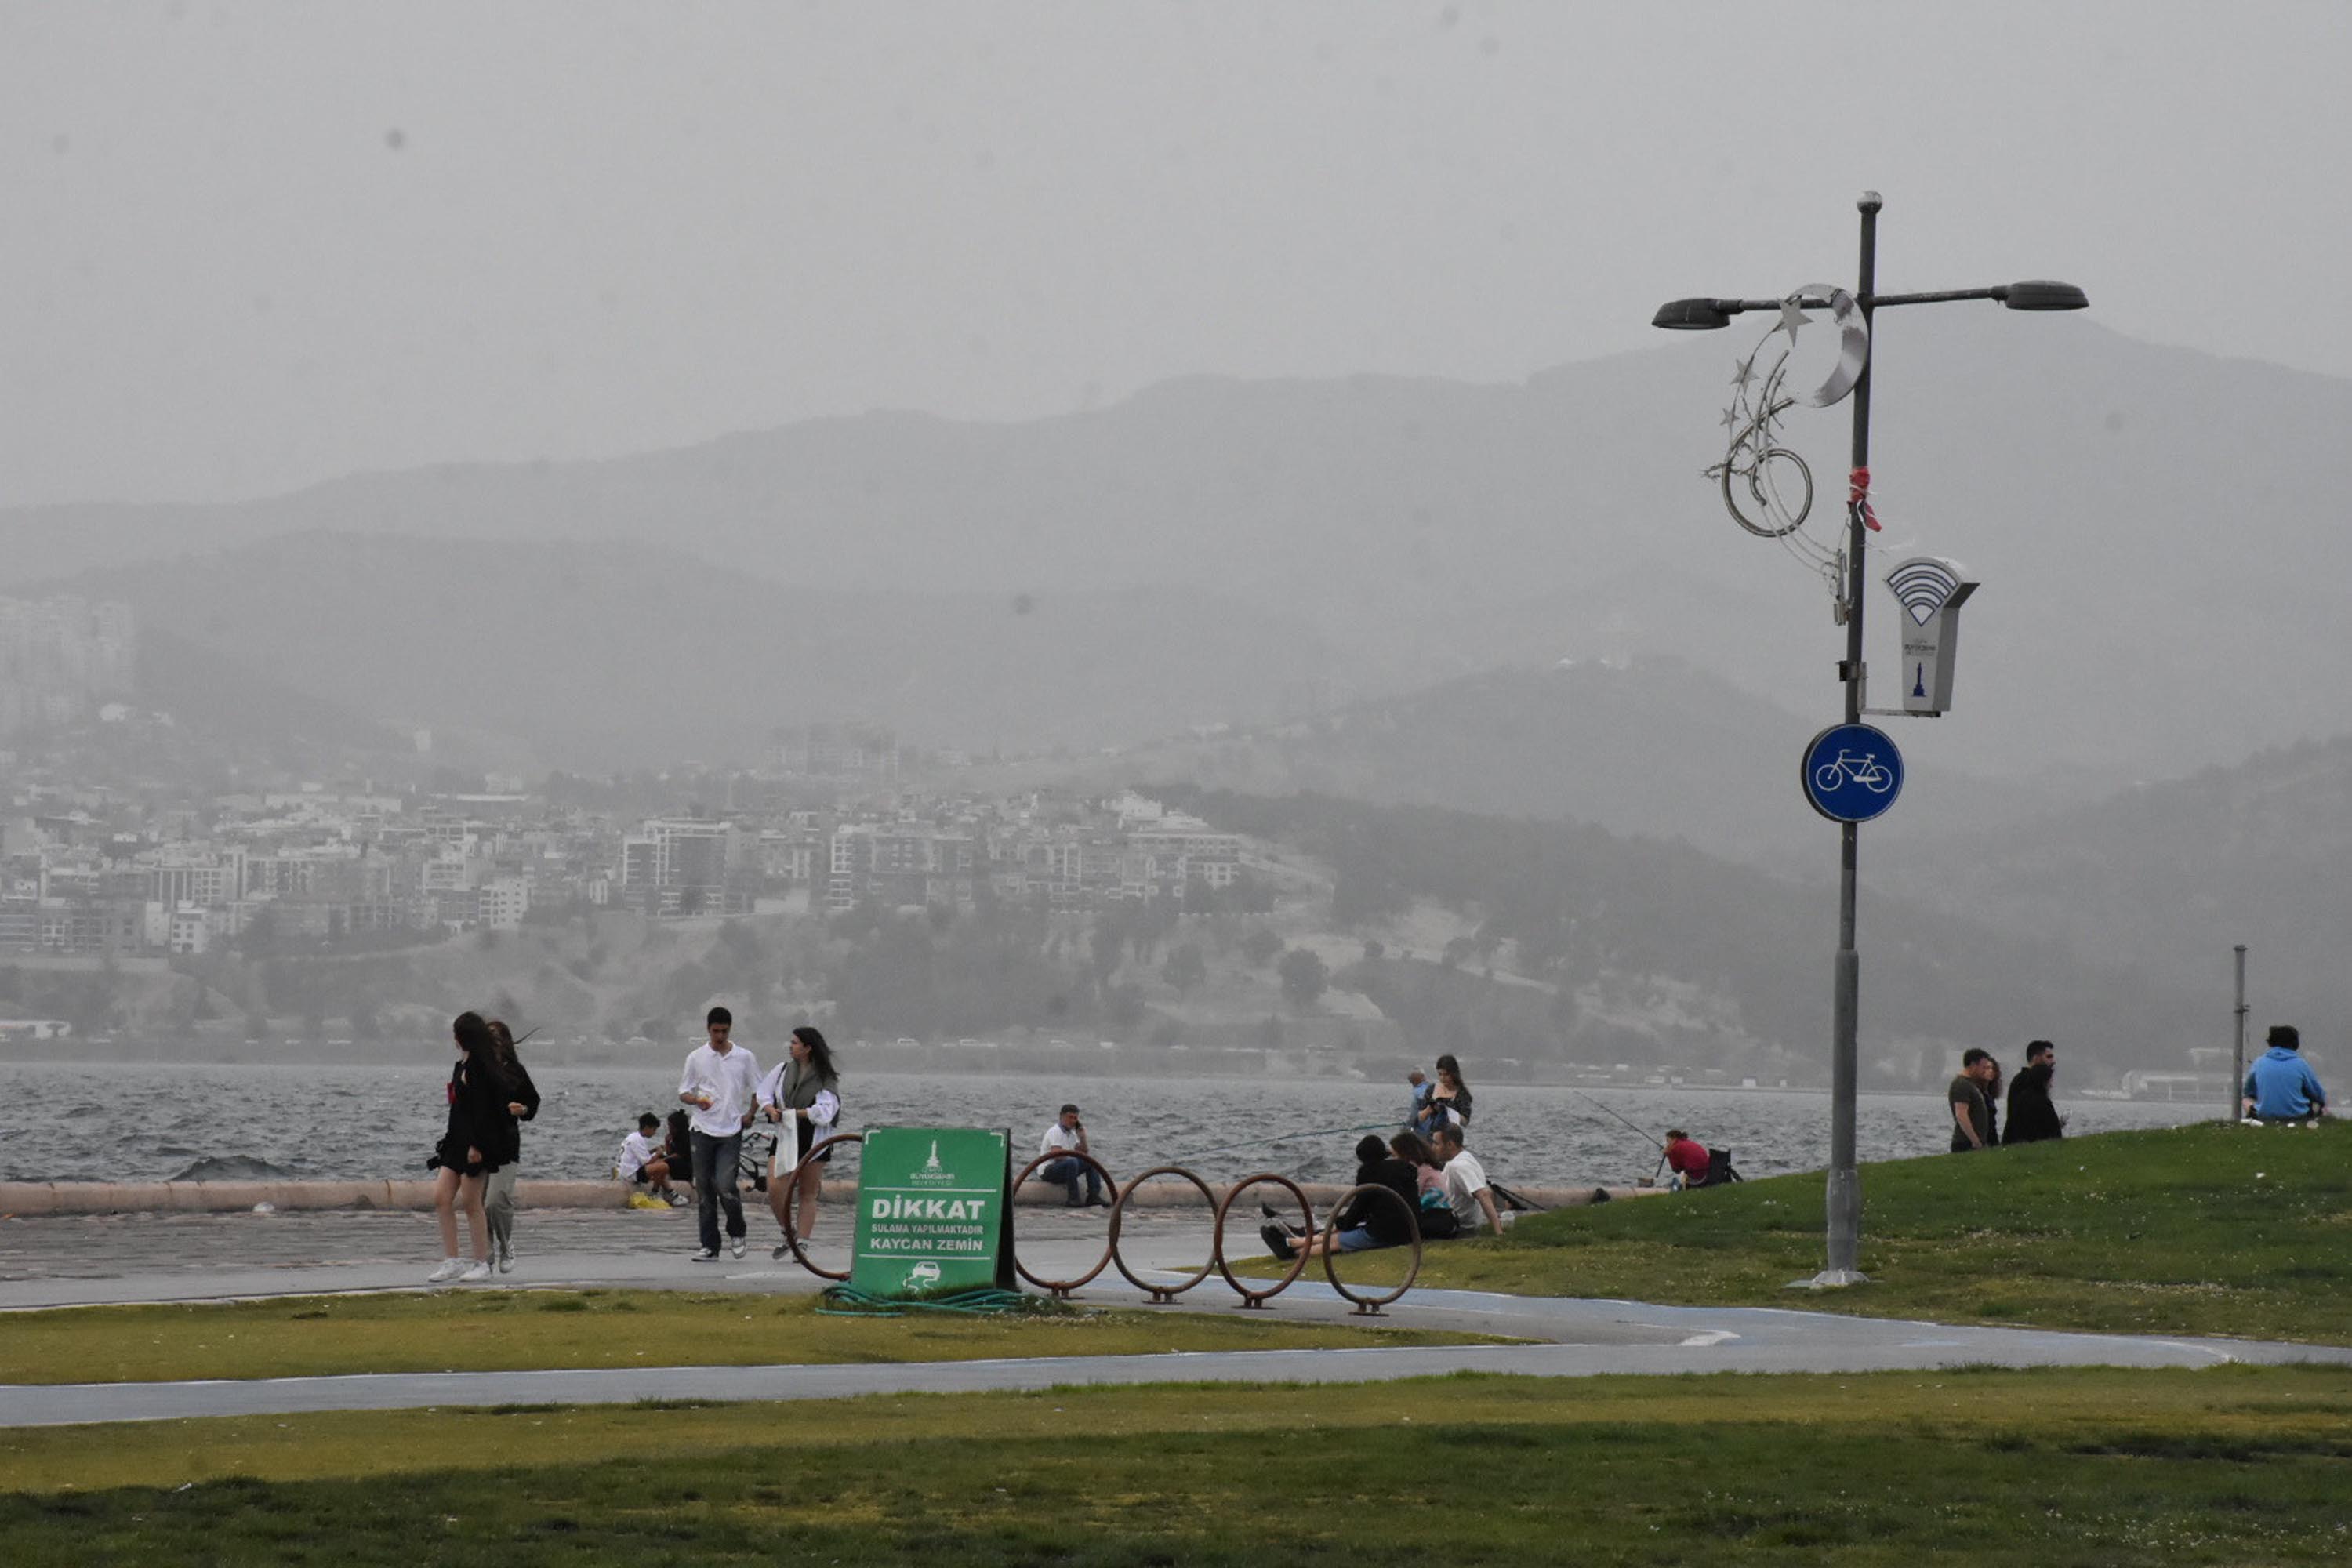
(1649, 744)
(1599, 914)
(2171, 875)
(2195, 1230)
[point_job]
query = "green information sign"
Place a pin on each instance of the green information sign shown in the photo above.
(933, 1211)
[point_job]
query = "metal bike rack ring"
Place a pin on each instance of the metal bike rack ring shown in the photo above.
(1110, 1248)
(1255, 1298)
(791, 1238)
(1160, 1295)
(1369, 1306)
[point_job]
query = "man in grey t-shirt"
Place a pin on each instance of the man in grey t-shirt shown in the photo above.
(1465, 1181)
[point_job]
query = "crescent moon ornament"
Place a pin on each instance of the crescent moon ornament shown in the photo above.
(1853, 340)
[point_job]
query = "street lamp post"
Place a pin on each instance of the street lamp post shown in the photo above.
(1844, 1185)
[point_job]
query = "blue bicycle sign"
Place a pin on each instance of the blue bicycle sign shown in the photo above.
(1852, 773)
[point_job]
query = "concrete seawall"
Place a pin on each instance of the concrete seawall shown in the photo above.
(44, 1198)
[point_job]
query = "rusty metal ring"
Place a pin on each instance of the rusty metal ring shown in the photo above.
(1064, 1287)
(1298, 1253)
(791, 1238)
(1159, 1293)
(1369, 1306)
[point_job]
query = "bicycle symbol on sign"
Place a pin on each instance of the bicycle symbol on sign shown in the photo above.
(1865, 770)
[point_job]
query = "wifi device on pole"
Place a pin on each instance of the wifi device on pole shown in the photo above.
(1931, 591)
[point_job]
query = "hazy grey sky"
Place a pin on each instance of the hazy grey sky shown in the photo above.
(252, 246)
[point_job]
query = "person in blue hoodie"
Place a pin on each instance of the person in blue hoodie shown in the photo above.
(2281, 1086)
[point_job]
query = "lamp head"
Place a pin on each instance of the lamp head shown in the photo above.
(1692, 316)
(2041, 294)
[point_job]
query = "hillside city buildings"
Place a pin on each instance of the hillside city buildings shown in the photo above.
(80, 874)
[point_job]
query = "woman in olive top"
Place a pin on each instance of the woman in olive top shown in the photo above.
(805, 1090)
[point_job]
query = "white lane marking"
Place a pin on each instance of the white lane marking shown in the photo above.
(1707, 1337)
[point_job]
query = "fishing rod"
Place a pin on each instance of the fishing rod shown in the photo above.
(1614, 1117)
(1288, 1137)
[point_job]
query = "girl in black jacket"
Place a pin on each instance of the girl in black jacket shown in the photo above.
(469, 1149)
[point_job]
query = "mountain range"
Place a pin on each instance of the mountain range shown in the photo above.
(2156, 531)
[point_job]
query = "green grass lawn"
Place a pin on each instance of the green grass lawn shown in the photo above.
(2206, 1230)
(516, 1330)
(2232, 1464)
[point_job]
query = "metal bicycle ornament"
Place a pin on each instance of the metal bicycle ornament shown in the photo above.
(1768, 488)
(1370, 1305)
(1258, 1298)
(1062, 1289)
(1158, 1294)
(792, 1235)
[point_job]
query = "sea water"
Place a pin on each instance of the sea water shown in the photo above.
(139, 1122)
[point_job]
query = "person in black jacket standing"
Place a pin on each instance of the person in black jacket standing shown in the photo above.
(469, 1148)
(2032, 1118)
(522, 1105)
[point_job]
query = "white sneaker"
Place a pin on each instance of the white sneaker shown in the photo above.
(707, 1254)
(736, 1246)
(450, 1268)
(476, 1272)
(505, 1259)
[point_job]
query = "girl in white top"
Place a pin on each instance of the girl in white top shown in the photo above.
(804, 1090)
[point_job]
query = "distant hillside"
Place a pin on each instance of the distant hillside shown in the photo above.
(2104, 490)
(603, 656)
(2171, 876)
(1587, 909)
(1649, 745)
(217, 696)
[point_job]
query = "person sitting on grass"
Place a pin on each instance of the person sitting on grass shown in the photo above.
(1436, 1214)
(1466, 1183)
(1371, 1221)
(642, 1160)
(2281, 1086)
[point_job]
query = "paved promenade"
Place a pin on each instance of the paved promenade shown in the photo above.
(51, 1262)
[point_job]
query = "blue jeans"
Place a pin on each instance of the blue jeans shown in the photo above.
(1064, 1173)
(714, 1159)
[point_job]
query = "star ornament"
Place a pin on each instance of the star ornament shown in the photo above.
(1744, 371)
(1731, 417)
(1793, 316)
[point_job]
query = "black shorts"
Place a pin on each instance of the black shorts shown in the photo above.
(453, 1158)
(808, 1142)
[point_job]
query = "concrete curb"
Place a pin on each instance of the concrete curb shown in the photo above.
(55, 1198)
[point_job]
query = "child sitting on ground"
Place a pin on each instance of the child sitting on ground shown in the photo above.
(643, 1161)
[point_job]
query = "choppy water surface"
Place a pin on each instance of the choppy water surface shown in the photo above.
(142, 1124)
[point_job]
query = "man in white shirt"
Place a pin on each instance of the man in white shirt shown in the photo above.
(1465, 1181)
(720, 1084)
(1070, 1133)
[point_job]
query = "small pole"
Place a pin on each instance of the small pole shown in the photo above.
(2237, 1072)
